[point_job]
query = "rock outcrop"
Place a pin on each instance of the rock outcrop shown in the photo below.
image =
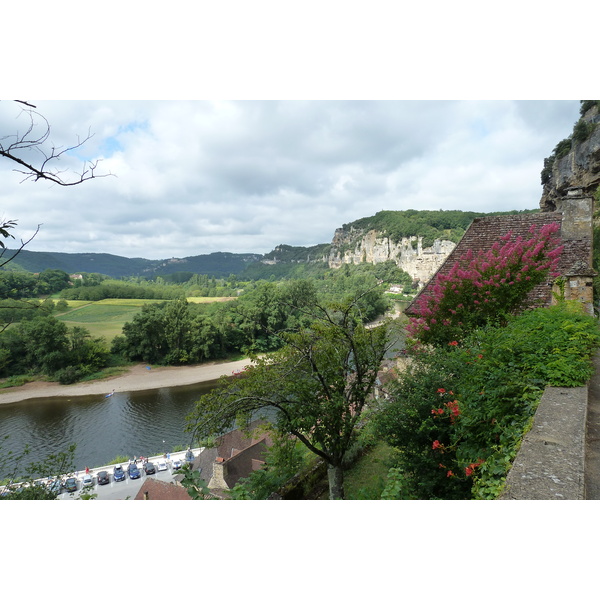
(579, 168)
(357, 246)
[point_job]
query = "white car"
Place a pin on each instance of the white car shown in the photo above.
(87, 480)
(161, 465)
(176, 464)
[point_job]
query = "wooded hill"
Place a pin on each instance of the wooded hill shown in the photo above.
(218, 264)
(430, 225)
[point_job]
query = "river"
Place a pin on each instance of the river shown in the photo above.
(130, 424)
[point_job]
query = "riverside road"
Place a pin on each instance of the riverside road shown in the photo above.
(128, 488)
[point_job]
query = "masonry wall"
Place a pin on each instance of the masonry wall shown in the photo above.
(550, 464)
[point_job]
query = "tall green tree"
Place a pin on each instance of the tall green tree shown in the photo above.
(316, 387)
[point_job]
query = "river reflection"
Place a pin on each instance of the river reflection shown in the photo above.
(130, 424)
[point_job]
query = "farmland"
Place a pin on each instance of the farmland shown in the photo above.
(105, 318)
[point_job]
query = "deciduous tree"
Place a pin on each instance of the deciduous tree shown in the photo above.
(316, 387)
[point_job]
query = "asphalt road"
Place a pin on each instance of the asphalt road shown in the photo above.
(119, 490)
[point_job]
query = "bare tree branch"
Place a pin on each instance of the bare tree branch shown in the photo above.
(3, 228)
(34, 139)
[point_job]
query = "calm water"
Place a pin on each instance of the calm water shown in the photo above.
(129, 424)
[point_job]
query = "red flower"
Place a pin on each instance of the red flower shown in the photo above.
(449, 474)
(441, 391)
(454, 343)
(436, 444)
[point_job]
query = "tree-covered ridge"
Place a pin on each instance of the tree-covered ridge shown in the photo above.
(285, 253)
(427, 224)
(219, 264)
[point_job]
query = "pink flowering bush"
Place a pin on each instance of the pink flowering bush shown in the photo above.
(458, 412)
(486, 287)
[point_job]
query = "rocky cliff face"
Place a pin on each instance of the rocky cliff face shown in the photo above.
(356, 246)
(579, 168)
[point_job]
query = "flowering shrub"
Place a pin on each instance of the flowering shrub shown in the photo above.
(462, 409)
(486, 287)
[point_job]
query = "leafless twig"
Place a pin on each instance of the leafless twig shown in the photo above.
(35, 139)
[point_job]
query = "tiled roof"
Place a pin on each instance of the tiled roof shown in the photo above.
(161, 490)
(484, 231)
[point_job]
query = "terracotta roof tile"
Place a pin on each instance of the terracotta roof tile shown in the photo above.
(484, 231)
(161, 490)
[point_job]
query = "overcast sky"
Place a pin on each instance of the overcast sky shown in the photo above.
(195, 177)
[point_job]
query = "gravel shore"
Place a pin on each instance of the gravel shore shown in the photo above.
(139, 377)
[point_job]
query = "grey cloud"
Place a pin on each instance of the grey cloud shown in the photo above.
(196, 177)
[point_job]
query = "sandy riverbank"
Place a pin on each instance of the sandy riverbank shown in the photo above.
(138, 378)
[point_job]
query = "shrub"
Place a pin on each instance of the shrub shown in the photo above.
(68, 375)
(487, 287)
(582, 130)
(461, 410)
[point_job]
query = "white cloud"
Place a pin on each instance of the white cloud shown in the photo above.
(195, 177)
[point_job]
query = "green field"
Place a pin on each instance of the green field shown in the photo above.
(102, 319)
(208, 299)
(106, 318)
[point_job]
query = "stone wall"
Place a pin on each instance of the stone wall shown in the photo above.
(550, 463)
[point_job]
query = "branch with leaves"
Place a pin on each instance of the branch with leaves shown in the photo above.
(317, 385)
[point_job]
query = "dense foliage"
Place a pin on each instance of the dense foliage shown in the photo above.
(46, 346)
(486, 287)
(459, 411)
(120, 289)
(16, 284)
(316, 386)
(180, 332)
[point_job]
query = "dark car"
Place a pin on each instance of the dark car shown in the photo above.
(118, 473)
(134, 472)
(54, 486)
(70, 484)
(149, 468)
(103, 478)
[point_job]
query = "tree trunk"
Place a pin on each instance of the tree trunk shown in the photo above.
(336, 482)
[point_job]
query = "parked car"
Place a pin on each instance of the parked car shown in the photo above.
(149, 468)
(103, 478)
(87, 480)
(161, 465)
(118, 473)
(54, 486)
(176, 464)
(70, 484)
(134, 472)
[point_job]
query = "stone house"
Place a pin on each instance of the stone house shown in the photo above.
(154, 489)
(234, 457)
(574, 215)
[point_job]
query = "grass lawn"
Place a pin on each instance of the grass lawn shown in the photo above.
(366, 479)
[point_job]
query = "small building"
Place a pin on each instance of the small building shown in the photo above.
(573, 214)
(234, 457)
(154, 489)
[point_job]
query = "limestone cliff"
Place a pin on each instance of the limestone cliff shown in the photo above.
(575, 162)
(357, 246)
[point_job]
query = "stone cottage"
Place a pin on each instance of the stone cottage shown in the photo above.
(574, 215)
